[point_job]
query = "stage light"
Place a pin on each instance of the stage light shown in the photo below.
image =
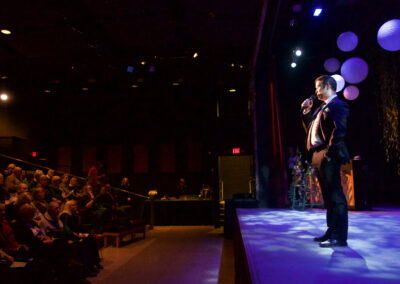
(317, 12)
(389, 35)
(143, 62)
(4, 97)
(332, 65)
(351, 93)
(6, 32)
(85, 89)
(175, 84)
(195, 55)
(354, 70)
(34, 154)
(233, 65)
(293, 65)
(130, 69)
(339, 82)
(47, 91)
(347, 41)
(134, 86)
(232, 90)
(298, 52)
(241, 66)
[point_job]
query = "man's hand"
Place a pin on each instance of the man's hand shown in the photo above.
(306, 105)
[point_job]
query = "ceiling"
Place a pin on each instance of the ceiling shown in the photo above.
(82, 43)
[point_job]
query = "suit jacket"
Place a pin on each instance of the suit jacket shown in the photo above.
(331, 128)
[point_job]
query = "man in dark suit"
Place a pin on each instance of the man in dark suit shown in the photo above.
(326, 130)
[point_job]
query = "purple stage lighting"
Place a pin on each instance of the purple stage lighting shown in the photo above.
(339, 82)
(351, 93)
(354, 70)
(332, 65)
(317, 12)
(389, 35)
(130, 69)
(347, 41)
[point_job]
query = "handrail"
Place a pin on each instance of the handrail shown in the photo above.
(77, 177)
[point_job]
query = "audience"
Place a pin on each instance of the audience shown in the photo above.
(63, 245)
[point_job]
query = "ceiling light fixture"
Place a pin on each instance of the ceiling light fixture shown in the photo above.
(6, 32)
(195, 55)
(293, 65)
(4, 97)
(143, 62)
(317, 12)
(232, 90)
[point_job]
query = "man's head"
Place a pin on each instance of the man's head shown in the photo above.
(53, 209)
(44, 181)
(56, 180)
(22, 187)
(50, 173)
(325, 86)
(18, 172)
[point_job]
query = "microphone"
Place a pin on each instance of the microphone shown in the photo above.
(311, 98)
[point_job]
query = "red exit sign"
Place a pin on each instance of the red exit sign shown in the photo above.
(235, 151)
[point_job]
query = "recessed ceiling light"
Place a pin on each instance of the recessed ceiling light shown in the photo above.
(4, 77)
(175, 84)
(233, 65)
(232, 90)
(6, 32)
(4, 97)
(47, 91)
(143, 62)
(85, 89)
(134, 86)
(195, 55)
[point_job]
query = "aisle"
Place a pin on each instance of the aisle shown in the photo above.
(173, 254)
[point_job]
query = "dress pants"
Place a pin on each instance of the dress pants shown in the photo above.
(328, 174)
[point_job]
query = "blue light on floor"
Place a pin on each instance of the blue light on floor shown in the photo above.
(317, 12)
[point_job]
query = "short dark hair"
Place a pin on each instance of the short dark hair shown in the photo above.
(327, 80)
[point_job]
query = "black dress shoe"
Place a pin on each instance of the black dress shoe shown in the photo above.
(321, 239)
(331, 243)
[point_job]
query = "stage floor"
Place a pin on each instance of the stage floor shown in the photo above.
(280, 249)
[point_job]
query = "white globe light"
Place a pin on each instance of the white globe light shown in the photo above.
(298, 52)
(293, 65)
(354, 70)
(339, 82)
(3, 97)
(332, 65)
(347, 41)
(389, 35)
(351, 93)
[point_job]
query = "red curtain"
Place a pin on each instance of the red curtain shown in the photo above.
(64, 159)
(194, 157)
(167, 158)
(114, 161)
(140, 159)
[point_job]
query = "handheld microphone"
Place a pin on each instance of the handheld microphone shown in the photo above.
(311, 98)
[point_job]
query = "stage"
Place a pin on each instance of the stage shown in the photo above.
(277, 247)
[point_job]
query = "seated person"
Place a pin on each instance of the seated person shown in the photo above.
(50, 222)
(182, 188)
(54, 188)
(38, 196)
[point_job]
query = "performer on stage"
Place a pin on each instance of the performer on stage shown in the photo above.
(326, 130)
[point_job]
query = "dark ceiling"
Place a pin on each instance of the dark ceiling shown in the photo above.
(87, 42)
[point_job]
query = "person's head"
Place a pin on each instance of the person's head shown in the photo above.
(125, 182)
(56, 180)
(22, 199)
(108, 187)
(50, 173)
(18, 172)
(64, 179)
(10, 169)
(325, 86)
(53, 209)
(2, 211)
(102, 190)
(37, 175)
(1, 179)
(43, 181)
(88, 189)
(181, 181)
(26, 212)
(71, 207)
(73, 182)
(38, 194)
(22, 187)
